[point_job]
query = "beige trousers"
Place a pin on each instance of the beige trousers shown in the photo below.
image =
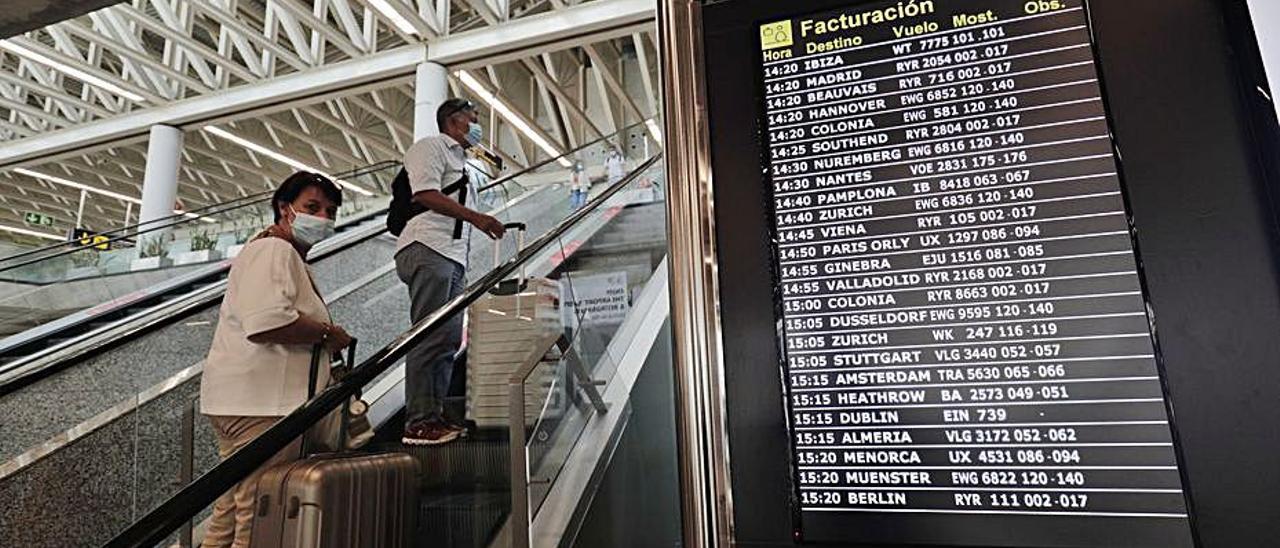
(229, 527)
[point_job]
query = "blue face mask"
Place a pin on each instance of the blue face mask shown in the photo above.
(475, 134)
(310, 230)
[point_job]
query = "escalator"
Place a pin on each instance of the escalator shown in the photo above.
(119, 408)
(471, 488)
(64, 303)
(117, 349)
(509, 482)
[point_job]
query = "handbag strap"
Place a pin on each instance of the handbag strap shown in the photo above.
(312, 377)
(346, 405)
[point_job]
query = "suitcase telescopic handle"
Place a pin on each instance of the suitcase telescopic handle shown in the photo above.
(516, 285)
(520, 230)
(314, 373)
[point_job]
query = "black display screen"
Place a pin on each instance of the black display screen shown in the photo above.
(964, 326)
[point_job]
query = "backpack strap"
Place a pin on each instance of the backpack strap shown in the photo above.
(458, 187)
(400, 214)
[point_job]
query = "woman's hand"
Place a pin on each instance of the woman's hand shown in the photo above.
(337, 339)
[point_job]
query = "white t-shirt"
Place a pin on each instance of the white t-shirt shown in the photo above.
(268, 288)
(434, 163)
(613, 168)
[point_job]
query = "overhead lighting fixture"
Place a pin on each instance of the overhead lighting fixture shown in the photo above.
(291, 162)
(75, 72)
(393, 15)
(509, 114)
(79, 186)
(200, 218)
(654, 130)
(26, 232)
(92, 190)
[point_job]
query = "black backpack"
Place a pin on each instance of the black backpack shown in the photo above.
(404, 208)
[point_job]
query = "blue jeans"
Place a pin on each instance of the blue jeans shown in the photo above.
(578, 198)
(433, 280)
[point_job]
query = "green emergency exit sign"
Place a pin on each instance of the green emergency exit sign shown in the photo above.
(37, 219)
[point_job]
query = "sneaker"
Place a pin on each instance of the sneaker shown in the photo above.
(428, 433)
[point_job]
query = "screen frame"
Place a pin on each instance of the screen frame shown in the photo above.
(797, 512)
(734, 240)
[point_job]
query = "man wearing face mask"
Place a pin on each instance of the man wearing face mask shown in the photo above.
(431, 258)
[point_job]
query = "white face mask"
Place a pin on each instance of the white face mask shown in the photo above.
(475, 133)
(310, 230)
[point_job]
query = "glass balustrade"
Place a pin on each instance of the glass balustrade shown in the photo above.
(557, 340)
(604, 264)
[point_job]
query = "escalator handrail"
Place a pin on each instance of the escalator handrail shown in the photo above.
(160, 522)
(132, 230)
(507, 178)
(15, 373)
(178, 220)
(20, 371)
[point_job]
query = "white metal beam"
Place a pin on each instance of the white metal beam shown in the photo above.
(566, 102)
(642, 54)
(605, 73)
(528, 36)
(318, 25)
(518, 38)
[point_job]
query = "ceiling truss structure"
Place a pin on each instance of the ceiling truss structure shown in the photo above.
(146, 54)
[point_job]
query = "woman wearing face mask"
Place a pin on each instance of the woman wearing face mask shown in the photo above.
(271, 318)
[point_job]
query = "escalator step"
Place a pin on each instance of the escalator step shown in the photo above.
(463, 464)
(462, 520)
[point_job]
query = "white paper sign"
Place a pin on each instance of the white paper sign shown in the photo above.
(596, 299)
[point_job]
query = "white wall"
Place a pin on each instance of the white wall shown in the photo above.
(1266, 24)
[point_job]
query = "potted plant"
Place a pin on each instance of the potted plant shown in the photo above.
(202, 250)
(242, 236)
(152, 254)
(84, 264)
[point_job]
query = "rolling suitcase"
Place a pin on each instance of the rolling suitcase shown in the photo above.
(503, 327)
(337, 500)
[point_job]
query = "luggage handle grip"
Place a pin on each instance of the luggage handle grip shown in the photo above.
(521, 229)
(314, 373)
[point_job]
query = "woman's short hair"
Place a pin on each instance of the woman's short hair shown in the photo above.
(292, 187)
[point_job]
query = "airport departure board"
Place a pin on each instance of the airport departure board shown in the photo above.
(965, 331)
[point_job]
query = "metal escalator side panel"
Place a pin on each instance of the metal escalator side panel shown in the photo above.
(564, 507)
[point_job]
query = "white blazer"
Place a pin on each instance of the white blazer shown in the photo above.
(268, 288)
